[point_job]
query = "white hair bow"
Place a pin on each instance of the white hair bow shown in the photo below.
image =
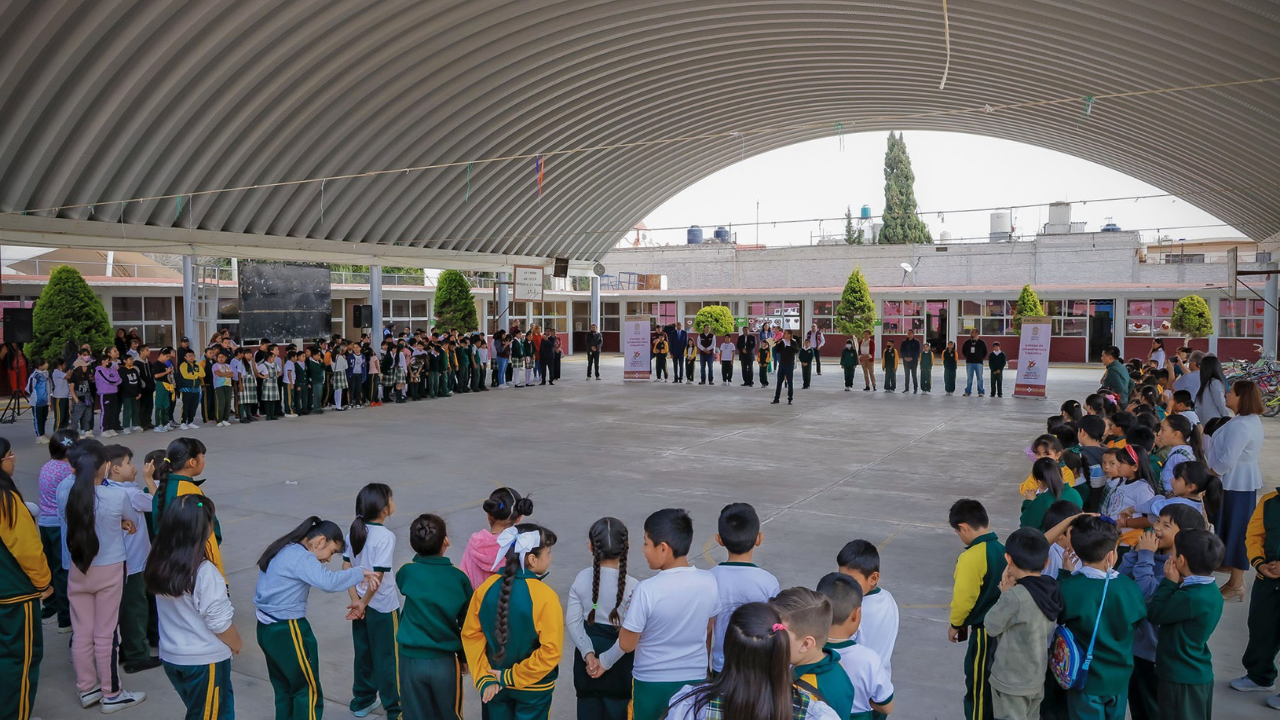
(522, 542)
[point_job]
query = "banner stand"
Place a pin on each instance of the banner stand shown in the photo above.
(635, 347)
(1033, 358)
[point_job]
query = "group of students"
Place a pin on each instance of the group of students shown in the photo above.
(1126, 515)
(179, 388)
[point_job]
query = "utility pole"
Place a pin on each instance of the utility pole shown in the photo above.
(757, 222)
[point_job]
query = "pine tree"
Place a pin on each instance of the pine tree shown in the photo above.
(455, 308)
(849, 235)
(902, 224)
(856, 313)
(67, 312)
(1028, 306)
(1191, 317)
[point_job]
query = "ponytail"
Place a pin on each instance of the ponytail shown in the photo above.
(371, 502)
(1190, 433)
(310, 529)
(10, 498)
(1136, 457)
(87, 457)
(503, 628)
(1209, 486)
(609, 541)
(1072, 411)
(180, 452)
(1046, 471)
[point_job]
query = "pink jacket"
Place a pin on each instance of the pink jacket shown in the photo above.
(478, 556)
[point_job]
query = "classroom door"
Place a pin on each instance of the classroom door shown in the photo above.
(1101, 327)
(935, 324)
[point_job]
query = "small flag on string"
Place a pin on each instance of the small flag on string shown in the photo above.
(840, 132)
(539, 167)
(468, 197)
(178, 213)
(1088, 109)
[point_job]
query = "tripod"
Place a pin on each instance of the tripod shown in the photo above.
(13, 408)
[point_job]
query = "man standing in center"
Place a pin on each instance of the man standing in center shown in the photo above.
(746, 354)
(910, 355)
(595, 341)
(677, 339)
(975, 352)
(816, 341)
(785, 351)
(706, 356)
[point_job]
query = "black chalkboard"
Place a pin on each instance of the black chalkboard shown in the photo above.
(284, 300)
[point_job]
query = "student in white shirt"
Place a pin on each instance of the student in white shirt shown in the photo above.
(197, 637)
(878, 629)
(374, 613)
(670, 618)
(135, 610)
(598, 602)
(738, 580)
(872, 686)
(727, 354)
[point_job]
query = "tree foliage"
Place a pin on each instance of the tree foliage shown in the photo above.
(716, 317)
(1191, 317)
(1028, 306)
(902, 224)
(455, 308)
(856, 313)
(67, 311)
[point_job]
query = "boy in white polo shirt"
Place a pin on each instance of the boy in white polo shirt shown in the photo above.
(670, 618)
(738, 581)
(872, 687)
(135, 610)
(879, 630)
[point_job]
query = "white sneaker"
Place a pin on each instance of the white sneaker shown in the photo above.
(128, 431)
(122, 701)
(193, 426)
(1273, 702)
(42, 440)
(1244, 684)
(290, 415)
(87, 699)
(161, 429)
(183, 426)
(364, 712)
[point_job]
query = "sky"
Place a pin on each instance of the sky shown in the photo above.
(953, 172)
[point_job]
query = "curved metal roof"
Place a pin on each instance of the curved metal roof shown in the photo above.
(105, 101)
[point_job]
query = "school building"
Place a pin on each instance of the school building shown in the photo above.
(1099, 289)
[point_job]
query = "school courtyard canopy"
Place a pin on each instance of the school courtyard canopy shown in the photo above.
(562, 123)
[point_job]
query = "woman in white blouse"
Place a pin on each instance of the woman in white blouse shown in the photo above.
(1233, 456)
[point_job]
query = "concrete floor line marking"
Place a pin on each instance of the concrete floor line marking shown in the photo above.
(896, 532)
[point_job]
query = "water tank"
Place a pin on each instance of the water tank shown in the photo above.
(1001, 226)
(722, 235)
(1060, 216)
(944, 236)
(695, 235)
(866, 212)
(1111, 227)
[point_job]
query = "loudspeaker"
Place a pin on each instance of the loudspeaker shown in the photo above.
(17, 325)
(562, 268)
(357, 316)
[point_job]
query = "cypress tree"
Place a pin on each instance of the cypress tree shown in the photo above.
(1028, 306)
(455, 308)
(67, 311)
(901, 223)
(856, 313)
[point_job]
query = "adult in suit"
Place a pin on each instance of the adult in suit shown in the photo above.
(746, 346)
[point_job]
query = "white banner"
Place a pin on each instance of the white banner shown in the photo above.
(1033, 358)
(635, 347)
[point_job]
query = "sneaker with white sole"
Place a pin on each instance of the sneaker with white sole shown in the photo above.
(1244, 684)
(364, 712)
(123, 701)
(193, 426)
(1273, 702)
(183, 426)
(42, 440)
(87, 699)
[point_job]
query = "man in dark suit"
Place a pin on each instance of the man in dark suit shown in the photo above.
(746, 355)
(909, 353)
(677, 340)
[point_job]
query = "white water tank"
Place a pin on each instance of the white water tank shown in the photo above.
(1001, 226)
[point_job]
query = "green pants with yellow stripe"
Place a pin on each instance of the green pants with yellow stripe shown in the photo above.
(649, 700)
(293, 668)
(204, 689)
(21, 648)
(977, 675)
(431, 687)
(374, 638)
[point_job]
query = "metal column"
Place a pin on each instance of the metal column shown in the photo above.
(1269, 315)
(503, 321)
(189, 309)
(595, 300)
(375, 299)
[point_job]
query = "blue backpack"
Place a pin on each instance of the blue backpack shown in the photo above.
(1069, 665)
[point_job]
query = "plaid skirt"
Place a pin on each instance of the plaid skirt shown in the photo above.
(339, 381)
(388, 379)
(270, 390)
(400, 376)
(248, 394)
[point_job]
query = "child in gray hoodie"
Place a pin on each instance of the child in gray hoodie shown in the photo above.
(1024, 620)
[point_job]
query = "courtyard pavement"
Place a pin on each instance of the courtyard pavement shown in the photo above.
(833, 467)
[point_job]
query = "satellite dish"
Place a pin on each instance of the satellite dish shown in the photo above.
(906, 267)
(598, 269)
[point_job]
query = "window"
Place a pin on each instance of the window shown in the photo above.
(152, 317)
(611, 316)
(785, 313)
(1240, 318)
(406, 314)
(824, 312)
(1147, 318)
(899, 316)
(990, 317)
(551, 315)
(660, 313)
(1070, 318)
(691, 308)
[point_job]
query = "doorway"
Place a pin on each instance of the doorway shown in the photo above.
(1101, 327)
(935, 324)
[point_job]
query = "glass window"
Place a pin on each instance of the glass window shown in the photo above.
(582, 311)
(891, 308)
(419, 309)
(824, 314)
(1241, 318)
(1139, 308)
(995, 308)
(161, 308)
(970, 309)
(229, 309)
(992, 327)
(156, 329)
(126, 309)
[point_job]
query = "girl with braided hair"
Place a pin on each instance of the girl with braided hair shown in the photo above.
(515, 629)
(598, 602)
(176, 476)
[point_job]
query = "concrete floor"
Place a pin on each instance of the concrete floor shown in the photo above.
(833, 467)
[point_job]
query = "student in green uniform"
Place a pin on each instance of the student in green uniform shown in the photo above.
(1187, 606)
(949, 367)
(848, 361)
(374, 612)
(764, 356)
(1049, 490)
(315, 374)
(514, 630)
(24, 581)
(977, 588)
(807, 615)
(997, 361)
(890, 366)
(197, 637)
(926, 368)
(805, 356)
(1262, 541)
(1105, 692)
(288, 569)
(436, 597)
